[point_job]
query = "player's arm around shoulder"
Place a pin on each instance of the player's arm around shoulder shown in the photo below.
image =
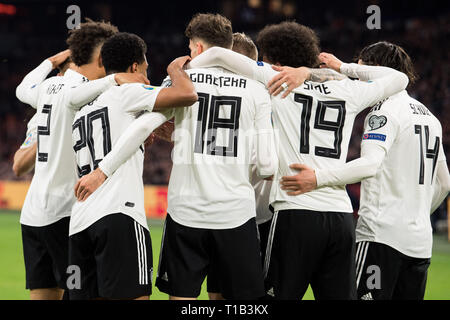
(182, 92)
(266, 153)
(27, 91)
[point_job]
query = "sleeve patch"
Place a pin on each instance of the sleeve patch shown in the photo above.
(147, 87)
(377, 122)
(374, 136)
(28, 141)
(260, 63)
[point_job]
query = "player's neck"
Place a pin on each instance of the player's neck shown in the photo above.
(87, 70)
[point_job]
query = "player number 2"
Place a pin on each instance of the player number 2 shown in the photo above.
(44, 131)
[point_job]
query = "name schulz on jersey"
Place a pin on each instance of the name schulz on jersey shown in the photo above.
(243, 309)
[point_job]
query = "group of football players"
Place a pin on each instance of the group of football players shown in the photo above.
(256, 198)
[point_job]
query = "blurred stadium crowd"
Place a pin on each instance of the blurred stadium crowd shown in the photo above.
(31, 31)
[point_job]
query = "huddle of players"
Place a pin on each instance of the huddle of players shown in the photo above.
(224, 141)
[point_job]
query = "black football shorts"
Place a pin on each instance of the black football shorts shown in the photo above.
(188, 255)
(46, 253)
(383, 273)
(311, 248)
(114, 256)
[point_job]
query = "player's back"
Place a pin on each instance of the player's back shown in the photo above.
(96, 129)
(50, 196)
(396, 202)
(214, 143)
(313, 126)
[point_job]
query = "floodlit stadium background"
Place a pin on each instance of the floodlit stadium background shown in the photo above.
(31, 31)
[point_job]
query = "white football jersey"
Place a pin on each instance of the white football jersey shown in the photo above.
(96, 129)
(213, 150)
(50, 196)
(262, 196)
(395, 204)
(313, 126)
(31, 137)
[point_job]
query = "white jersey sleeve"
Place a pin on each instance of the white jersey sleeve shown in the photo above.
(31, 137)
(382, 82)
(380, 131)
(266, 157)
(354, 171)
(28, 90)
(79, 96)
(130, 140)
(380, 128)
(234, 62)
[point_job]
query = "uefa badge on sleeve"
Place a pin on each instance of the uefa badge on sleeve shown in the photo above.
(147, 87)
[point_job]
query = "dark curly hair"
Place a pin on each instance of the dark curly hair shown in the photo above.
(390, 55)
(214, 29)
(82, 42)
(122, 50)
(289, 44)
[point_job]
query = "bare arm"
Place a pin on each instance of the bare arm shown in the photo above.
(27, 90)
(24, 160)
(182, 92)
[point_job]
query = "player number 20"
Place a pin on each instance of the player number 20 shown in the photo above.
(84, 125)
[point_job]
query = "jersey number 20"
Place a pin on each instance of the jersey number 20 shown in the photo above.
(85, 126)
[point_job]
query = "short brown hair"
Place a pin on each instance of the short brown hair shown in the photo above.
(243, 44)
(289, 44)
(390, 55)
(83, 41)
(214, 29)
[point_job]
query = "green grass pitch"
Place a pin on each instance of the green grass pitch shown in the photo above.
(12, 270)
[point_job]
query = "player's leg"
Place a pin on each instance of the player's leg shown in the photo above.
(213, 283)
(123, 256)
(377, 270)
(183, 261)
(40, 279)
(412, 279)
(46, 294)
(82, 282)
(296, 243)
(236, 260)
(263, 230)
(57, 242)
(334, 279)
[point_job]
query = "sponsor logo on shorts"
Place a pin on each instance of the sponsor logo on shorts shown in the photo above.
(270, 292)
(367, 296)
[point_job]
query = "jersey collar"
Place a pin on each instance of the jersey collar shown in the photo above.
(76, 76)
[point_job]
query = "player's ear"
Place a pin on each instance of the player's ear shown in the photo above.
(200, 47)
(134, 67)
(100, 62)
